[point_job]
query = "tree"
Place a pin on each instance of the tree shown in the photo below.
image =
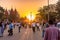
(13, 15)
(58, 9)
(16, 15)
(45, 11)
(1, 12)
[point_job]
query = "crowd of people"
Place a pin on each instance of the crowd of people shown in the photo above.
(3, 27)
(50, 29)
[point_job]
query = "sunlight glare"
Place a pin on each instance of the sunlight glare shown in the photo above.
(31, 17)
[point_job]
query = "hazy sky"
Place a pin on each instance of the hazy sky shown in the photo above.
(25, 6)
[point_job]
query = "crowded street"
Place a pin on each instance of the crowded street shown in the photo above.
(25, 34)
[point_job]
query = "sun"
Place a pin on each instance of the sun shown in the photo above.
(31, 17)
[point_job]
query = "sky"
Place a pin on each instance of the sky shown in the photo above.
(24, 7)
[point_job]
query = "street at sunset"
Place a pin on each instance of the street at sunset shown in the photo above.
(29, 19)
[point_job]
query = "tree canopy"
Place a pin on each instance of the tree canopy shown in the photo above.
(1, 12)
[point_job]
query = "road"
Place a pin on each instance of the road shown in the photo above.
(25, 34)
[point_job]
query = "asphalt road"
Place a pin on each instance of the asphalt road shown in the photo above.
(25, 34)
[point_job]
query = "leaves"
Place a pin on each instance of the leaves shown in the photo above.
(1, 12)
(45, 11)
(58, 9)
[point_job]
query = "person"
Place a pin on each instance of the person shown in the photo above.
(5, 25)
(43, 29)
(59, 34)
(37, 25)
(46, 24)
(10, 29)
(25, 25)
(19, 26)
(1, 29)
(33, 26)
(58, 24)
(51, 33)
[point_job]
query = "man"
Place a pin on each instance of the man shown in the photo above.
(51, 33)
(10, 29)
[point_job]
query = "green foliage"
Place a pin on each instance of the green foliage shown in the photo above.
(45, 11)
(1, 12)
(58, 9)
(14, 16)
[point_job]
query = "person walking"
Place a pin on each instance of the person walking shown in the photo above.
(37, 25)
(19, 26)
(33, 26)
(10, 29)
(3, 26)
(51, 33)
(43, 29)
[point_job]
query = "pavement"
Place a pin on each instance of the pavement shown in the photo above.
(25, 34)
